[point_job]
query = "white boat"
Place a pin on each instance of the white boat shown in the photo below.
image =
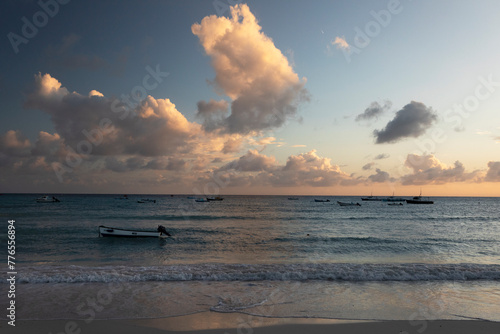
(47, 199)
(105, 231)
(348, 203)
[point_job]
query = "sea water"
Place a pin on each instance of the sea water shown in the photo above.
(257, 255)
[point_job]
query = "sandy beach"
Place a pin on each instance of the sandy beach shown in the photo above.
(209, 322)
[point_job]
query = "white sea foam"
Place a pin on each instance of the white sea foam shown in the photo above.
(261, 272)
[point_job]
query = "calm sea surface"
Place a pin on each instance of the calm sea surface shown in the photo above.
(259, 255)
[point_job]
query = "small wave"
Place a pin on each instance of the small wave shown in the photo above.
(262, 272)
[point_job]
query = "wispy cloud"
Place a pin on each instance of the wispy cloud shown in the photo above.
(341, 43)
(374, 111)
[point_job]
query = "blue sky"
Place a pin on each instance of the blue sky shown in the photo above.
(307, 139)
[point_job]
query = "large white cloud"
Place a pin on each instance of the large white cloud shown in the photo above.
(251, 71)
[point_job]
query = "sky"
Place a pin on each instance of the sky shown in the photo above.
(259, 97)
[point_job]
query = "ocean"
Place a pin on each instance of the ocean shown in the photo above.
(255, 255)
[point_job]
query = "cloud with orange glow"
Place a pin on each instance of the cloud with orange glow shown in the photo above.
(249, 69)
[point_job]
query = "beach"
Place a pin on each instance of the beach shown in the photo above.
(228, 324)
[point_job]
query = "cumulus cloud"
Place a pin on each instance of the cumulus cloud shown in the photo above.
(427, 169)
(264, 89)
(374, 110)
(341, 43)
(14, 143)
(213, 113)
(411, 121)
(381, 177)
(158, 128)
(493, 173)
(306, 169)
(252, 161)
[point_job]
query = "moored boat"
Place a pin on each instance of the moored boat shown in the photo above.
(322, 200)
(105, 231)
(418, 200)
(218, 198)
(348, 203)
(47, 199)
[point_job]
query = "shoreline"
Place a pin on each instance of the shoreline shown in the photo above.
(229, 323)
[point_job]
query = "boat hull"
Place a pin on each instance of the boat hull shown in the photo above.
(105, 231)
(412, 201)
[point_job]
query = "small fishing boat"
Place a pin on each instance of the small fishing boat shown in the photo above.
(418, 200)
(371, 198)
(348, 203)
(105, 231)
(322, 200)
(47, 199)
(218, 198)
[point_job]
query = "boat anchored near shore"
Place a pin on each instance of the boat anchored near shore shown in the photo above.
(105, 231)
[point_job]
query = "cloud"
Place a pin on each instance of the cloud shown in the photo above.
(306, 169)
(264, 89)
(411, 121)
(493, 173)
(382, 156)
(368, 166)
(252, 161)
(213, 113)
(374, 111)
(381, 177)
(158, 128)
(427, 169)
(14, 143)
(341, 43)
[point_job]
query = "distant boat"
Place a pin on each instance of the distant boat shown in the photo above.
(293, 198)
(393, 199)
(105, 231)
(201, 200)
(418, 200)
(322, 200)
(348, 203)
(148, 200)
(218, 198)
(371, 198)
(123, 197)
(397, 204)
(47, 199)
